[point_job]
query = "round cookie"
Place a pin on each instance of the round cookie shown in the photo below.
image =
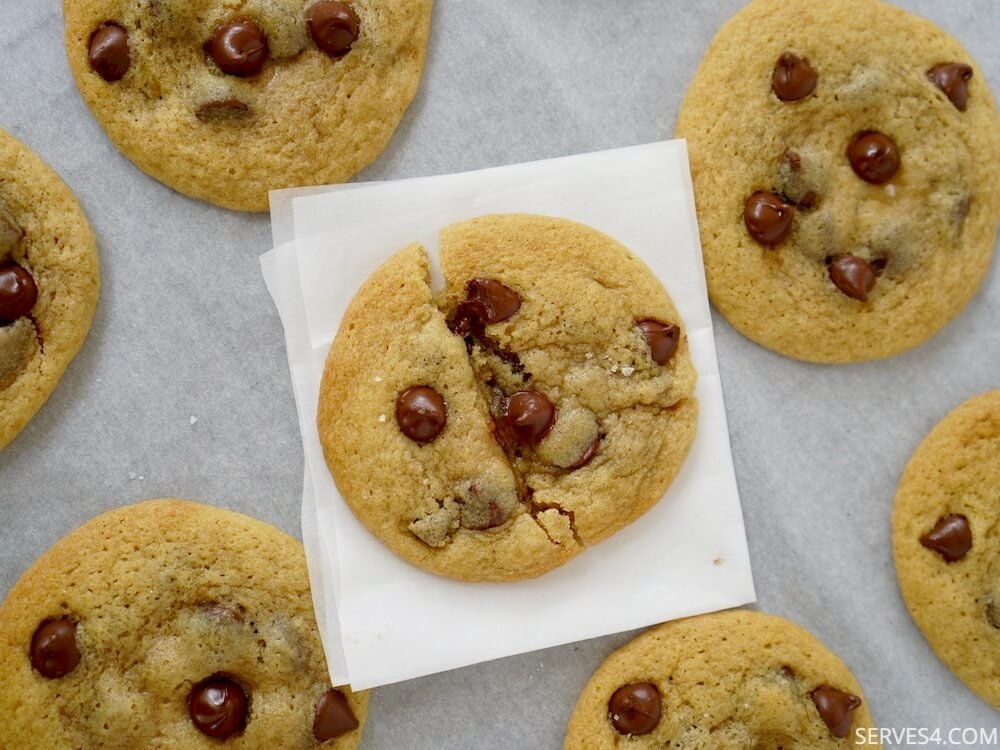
(846, 164)
(729, 680)
(49, 280)
(225, 101)
(538, 404)
(169, 624)
(946, 542)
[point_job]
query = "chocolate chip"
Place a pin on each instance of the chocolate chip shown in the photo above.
(852, 276)
(588, 455)
(768, 218)
(18, 292)
(334, 27)
(874, 157)
(492, 300)
(527, 417)
(221, 613)
(808, 200)
(662, 339)
(54, 651)
(218, 707)
(836, 708)
(109, 54)
(635, 709)
(951, 537)
(793, 77)
(953, 80)
(421, 413)
(222, 109)
(334, 716)
(239, 48)
(993, 613)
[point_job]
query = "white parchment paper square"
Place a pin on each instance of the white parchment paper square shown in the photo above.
(385, 621)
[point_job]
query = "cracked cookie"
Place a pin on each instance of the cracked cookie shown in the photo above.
(224, 100)
(540, 402)
(846, 165)
(49, 280)
(946, 542)
(169, 624)
(730, 680)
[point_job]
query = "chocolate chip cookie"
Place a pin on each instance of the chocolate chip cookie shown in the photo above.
(538, 404)
(49, 280)
(225, 101)
(729, 680)
(169, 624)
(946, 542)
(846, 163)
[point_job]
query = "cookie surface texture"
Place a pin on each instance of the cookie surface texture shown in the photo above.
(49, 280)
(946, 542)
(224, 101)
(538, 404)
(169, 624)
(846, 164)
(727, 681)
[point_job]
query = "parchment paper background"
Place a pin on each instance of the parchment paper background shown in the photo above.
(185, 328)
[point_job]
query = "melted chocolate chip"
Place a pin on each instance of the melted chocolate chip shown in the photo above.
(491, 301)
(588, 455)
(836, 708)
(662, 339)
(874, 157)
(793, 78)
(951, 538)
(953, 80)
(218, 707)
(333, 717)
(993, 613)
(852, 276)
(18, 292)
(333, 26)
(239, 48)
(768, 218)
(527, 418)
(222, 109)
(635, 709)
(487, 301)
(109, 54)
(421, 413)
(54, 651)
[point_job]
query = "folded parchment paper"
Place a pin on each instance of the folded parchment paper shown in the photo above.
(384, 620)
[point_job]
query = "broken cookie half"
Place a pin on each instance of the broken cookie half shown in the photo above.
(540, 402)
